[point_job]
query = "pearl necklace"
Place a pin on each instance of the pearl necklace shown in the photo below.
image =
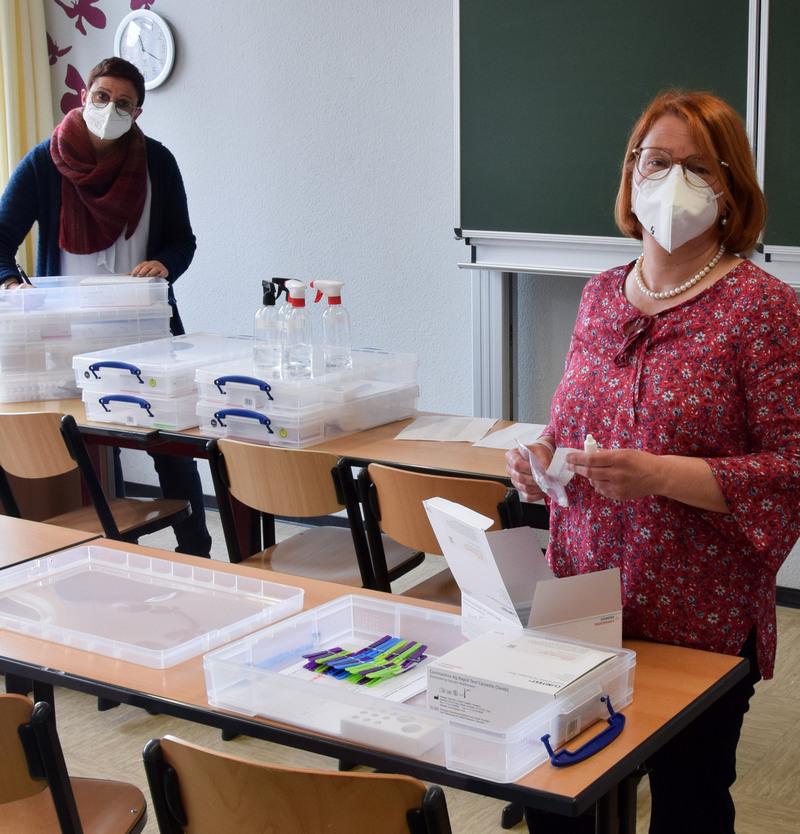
(639, 276)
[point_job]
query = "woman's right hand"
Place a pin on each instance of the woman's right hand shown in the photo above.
(519, 470)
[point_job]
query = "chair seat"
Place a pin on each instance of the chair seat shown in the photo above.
(104, 807)
(441, 587)
(130, 514)
(327, 553)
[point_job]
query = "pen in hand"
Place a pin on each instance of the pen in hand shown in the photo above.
(23, 277)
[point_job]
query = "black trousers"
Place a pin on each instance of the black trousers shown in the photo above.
(691, 776)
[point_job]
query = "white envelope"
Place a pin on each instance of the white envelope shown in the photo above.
(505, 581)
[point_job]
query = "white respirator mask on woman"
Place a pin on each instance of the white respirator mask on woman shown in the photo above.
(106, 122)
(672, 210)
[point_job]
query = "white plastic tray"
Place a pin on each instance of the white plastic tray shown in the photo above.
(249, 677)
(153, 612)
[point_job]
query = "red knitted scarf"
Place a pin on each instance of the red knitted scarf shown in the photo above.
(98, 197)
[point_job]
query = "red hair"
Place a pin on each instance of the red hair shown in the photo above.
(719, 133)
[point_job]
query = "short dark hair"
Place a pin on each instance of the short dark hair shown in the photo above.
(719, 132)
(119, 68)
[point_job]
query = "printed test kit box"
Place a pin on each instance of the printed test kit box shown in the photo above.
(500, 678)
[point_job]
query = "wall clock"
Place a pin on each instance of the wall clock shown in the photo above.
(145, 39)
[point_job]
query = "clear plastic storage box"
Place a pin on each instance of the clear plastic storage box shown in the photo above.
(164, 367)
(153, 612)
(42, 328)
(242, 400)
(257, 676)
(142, 410)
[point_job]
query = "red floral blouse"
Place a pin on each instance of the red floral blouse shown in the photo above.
(716, 377)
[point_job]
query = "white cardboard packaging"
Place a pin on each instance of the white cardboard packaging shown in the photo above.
(506, 583)
(502, 677)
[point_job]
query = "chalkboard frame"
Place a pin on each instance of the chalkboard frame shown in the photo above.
(553, 252)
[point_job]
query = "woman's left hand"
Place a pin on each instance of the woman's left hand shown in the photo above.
(627, 474)
(150, 269)
(619, 474)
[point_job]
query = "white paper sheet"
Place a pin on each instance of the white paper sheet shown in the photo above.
(445, 428)
(507, 438)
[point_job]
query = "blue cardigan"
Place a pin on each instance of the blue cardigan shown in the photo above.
(34, 194)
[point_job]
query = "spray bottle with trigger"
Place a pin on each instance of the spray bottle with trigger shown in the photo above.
(280, 289)
(297, 343)
(335, 326)
(267, 329)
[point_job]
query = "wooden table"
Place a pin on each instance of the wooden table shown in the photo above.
(111, 434)
(24, 540)
(375, 445)
(672, 686)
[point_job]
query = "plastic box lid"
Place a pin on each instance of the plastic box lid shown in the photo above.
(251, 676)
(132, 607)
(241, 383)
(64, 292)
(161, 366)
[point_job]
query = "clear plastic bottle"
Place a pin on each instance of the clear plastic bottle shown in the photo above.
(297, 342)
(267, 328)
(336, 341)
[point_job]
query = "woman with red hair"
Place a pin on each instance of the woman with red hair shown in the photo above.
(684, 367)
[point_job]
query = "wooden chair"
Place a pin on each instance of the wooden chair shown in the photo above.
(392, 503)
(43, 445)
(36, 792)
(296, 483)
(199, 791)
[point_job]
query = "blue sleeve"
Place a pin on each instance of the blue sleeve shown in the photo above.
(170, 239)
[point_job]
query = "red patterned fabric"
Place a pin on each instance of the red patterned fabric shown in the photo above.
(717, 377)
(99, 198)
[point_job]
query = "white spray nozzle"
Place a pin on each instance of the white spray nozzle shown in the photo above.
(296, 290)
(331, 289)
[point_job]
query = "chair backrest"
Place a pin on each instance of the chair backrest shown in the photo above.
(46, 445)
(31, 445)
(199, 791)
(32, 758)
(285, 482)
(395, 499)
(44, 480)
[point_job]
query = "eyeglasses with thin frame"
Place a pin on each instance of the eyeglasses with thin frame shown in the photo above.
(100, 98)
(698, 170)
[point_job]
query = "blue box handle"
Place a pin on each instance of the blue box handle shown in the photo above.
(243, 412)
(564, 758)
(243, 380)
(125, 398)
(123, 366)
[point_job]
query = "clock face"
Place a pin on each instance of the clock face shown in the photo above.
(145, 40)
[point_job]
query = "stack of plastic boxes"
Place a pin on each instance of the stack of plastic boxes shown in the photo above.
(242, 400)
(152, 384)
(43, 327)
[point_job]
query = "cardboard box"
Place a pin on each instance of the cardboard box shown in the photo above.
(500, 678)
(506, 582)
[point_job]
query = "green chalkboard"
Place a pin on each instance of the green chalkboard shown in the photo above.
(782, 138)
(550, 89)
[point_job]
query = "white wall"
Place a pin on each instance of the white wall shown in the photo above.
(316, 140)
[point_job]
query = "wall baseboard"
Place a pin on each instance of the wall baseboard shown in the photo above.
(790, 597)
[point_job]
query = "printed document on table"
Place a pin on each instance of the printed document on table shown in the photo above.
(445, 428)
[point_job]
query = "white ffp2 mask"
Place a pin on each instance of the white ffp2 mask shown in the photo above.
(672, 210)
(106, 122)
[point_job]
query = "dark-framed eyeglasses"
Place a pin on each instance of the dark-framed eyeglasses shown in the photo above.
(124, 107)
(699, 170)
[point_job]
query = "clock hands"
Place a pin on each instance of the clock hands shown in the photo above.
(141, 46)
